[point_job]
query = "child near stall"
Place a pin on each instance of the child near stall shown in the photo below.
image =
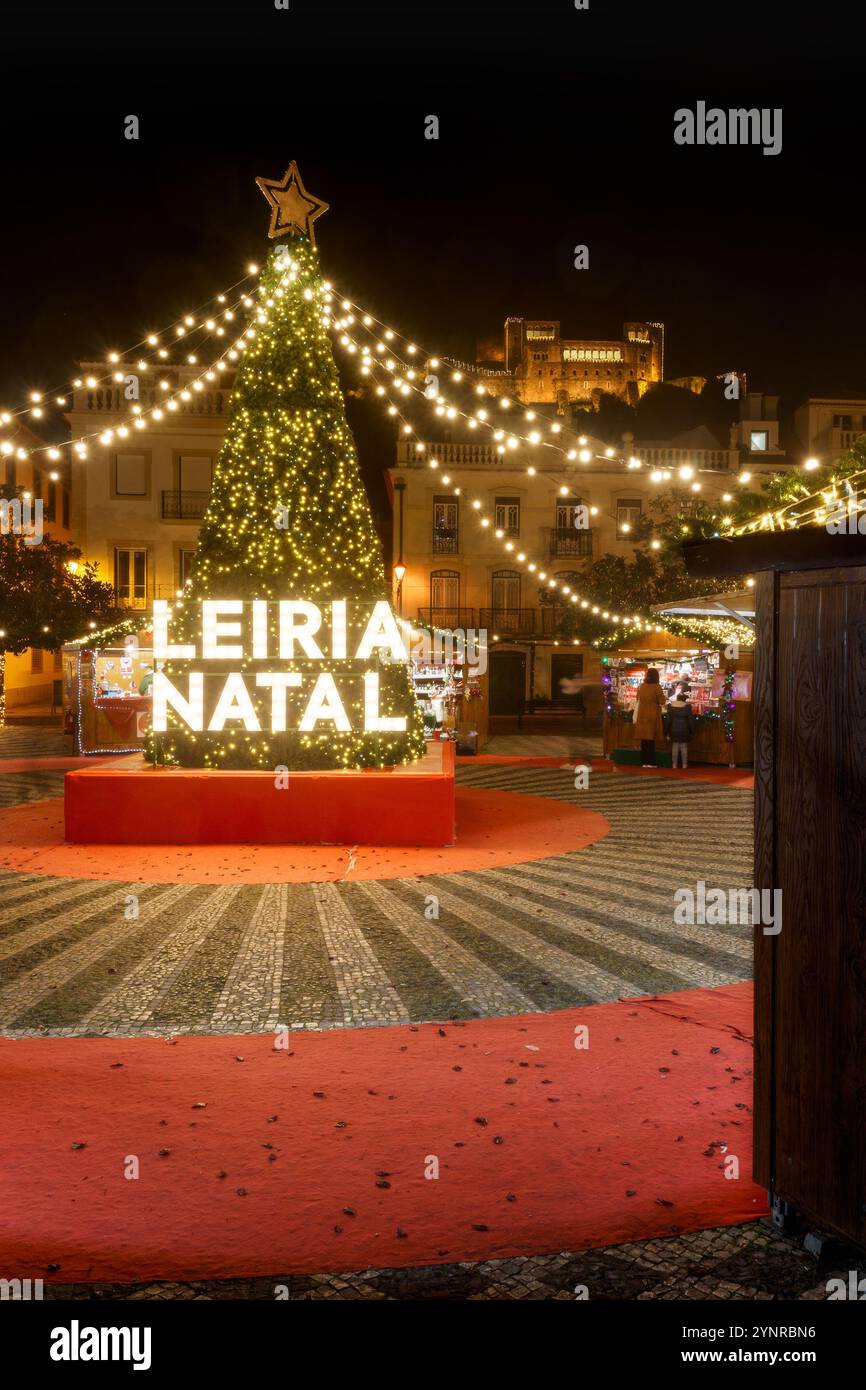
(680, 727)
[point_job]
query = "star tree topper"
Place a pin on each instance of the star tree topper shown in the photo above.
(293, 209)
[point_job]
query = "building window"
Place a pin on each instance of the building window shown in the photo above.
(130, 577)
(572, 534)
(36, 661)
(445, 526)
(841, 422)
(627, 515)
(758, 441)
(184, 563)
(505, 592)
(571, 514)
(58, 660)
(65, 495)
(508, 515)
(130, 475)
(194, 473)
(445, 598)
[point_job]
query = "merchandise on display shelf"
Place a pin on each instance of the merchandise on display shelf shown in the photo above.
(697, 671)
(442, 691)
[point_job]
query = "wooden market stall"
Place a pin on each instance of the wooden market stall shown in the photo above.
(453, 698)
(106, 689)
(720, 693)
(810, 848)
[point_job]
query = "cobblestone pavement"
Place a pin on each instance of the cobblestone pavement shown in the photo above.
(729, 1263)
(584, 927)
(545, 745)
(34, 741)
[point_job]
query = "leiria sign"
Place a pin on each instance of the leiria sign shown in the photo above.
(263, 634)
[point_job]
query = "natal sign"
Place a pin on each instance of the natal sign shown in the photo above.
(271, 665)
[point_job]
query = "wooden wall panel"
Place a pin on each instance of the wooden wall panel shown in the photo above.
(817, 965)
(764, 710)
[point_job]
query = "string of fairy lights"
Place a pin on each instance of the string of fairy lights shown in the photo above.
(119, 369)
(793, 517)
(181, 327)
(635, 623)
(558, 587)
(393, 370)
(790, 516)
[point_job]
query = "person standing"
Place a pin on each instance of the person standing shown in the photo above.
(680, 721)
(648, 716)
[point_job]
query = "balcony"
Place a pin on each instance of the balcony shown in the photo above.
(841, 438)
(569, 540)
(105, 397)
(518, 622)
(446, 541)
(184, 506)
(448, 455)
(449, 618)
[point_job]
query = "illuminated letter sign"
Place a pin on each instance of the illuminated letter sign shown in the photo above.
(272, 666)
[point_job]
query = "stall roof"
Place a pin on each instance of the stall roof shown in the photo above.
(104, 637)
(740, 605)
(808, 547)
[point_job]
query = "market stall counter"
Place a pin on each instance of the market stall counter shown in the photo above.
(719, 691)
(106, 689)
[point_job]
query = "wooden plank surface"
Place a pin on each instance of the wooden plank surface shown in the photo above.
(764, 710)
(819, 814)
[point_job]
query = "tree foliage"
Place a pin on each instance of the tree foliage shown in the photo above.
(44, 603)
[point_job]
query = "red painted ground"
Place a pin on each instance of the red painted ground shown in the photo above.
(493, 828)
(615, 1143)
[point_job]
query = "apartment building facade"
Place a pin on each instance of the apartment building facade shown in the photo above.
(458, 574)
(826, 427)
(138, 500)
(30, 475)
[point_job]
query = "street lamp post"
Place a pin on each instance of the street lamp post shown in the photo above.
(400, 568)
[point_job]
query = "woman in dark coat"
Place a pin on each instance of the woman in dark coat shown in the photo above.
(648, 716)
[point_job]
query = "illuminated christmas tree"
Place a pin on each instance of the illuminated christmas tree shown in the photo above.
(289, 519)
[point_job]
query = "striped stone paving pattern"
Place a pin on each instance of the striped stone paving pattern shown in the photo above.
(584, 927)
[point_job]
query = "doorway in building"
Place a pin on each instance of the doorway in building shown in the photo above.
(507, 682)
(565, 669)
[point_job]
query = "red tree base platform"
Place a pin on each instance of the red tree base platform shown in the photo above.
(137, 805)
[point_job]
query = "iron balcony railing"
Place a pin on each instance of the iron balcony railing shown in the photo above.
(449, 618)
(184, 506)
(446, 540)
(569, 540)
(520, 622)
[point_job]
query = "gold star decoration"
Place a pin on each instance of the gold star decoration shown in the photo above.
(293, 209)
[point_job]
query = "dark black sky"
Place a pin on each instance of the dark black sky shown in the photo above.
(556, 129)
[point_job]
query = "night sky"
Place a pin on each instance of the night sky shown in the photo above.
(556, 128)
